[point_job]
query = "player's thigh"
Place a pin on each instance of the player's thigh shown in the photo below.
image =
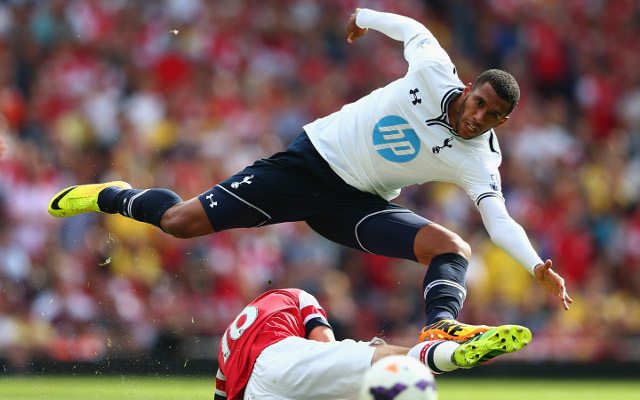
(293, 185)
(297, 368)
(262, 194)
(388, 230)
(225, 210)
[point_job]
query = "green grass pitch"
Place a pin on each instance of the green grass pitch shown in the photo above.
(196, 388)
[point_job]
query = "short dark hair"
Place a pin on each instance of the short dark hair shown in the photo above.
(503, 83)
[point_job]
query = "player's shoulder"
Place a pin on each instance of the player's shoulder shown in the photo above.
(429, 58)
(439, 70)
(440, 80)
(293, 292)
(285, 294)
(294, 296)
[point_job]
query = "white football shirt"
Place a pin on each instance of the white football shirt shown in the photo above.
(400, 135)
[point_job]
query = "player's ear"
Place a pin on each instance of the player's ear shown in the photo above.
(502, 121)
(467, 88)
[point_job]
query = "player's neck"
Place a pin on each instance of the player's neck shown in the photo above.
(452, 109)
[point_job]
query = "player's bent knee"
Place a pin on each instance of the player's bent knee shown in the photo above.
(183, 222)
(455, 244)
(434, 239)
(172, 222)
(463, 248)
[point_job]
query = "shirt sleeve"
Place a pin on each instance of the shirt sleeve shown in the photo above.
(507, 233)
(221, 386)
(480, 179)
(420, 46)
(312, 313)
(395, 26)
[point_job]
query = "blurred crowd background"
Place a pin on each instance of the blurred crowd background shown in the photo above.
(183, 93)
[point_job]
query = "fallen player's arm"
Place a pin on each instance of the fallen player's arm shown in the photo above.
(322, 333)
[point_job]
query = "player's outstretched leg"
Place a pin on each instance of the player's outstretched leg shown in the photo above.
(79, 199)
(450, 329)
(495, 342)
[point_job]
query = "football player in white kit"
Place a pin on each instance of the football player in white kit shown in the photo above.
(341, 172)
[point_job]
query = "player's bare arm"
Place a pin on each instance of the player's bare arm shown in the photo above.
(354, 32)
(322, 333)
(552, 282)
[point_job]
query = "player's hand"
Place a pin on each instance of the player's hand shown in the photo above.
(354, 31)
(552, 282)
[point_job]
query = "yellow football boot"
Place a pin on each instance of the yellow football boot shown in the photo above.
(80, 199)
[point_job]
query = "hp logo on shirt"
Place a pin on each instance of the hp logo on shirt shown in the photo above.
(395, 140)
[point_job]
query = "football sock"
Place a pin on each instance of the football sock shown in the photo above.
(443, 287)
(437, 355)
(142, 205)
(438, 314)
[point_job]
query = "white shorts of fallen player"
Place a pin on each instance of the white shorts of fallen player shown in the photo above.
(296, 368)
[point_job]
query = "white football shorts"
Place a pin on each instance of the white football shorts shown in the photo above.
(296, 368)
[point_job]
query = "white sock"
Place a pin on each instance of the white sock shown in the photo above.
(437, 355)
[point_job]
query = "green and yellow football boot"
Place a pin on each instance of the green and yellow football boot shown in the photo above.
(495, 342)
(80, 199)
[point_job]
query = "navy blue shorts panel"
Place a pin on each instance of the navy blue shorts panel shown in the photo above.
(227, 211)
(299, 185)
(295, 185)
(389, 232)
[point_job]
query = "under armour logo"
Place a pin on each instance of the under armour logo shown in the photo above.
(245, 180)
(415, 100)
(447, 141)
(210, 198)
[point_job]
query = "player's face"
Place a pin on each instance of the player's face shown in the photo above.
(480, 110)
